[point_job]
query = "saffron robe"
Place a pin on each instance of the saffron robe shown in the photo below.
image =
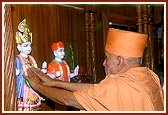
(138, 89)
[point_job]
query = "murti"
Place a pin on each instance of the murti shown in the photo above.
(27, 98)
(62, 77)
(58, 64)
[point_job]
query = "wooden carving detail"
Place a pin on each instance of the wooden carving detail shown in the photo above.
(87, 31)
(145, 12)
(9, 70)
(90, 42)
(139, 18)
(146, 59)
(151, 38)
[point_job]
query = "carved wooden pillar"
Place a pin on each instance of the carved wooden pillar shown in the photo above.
(139, 18)
(139, 24)
(92, 44)
(145, 18)
(150, 58)
(155, 50)
(151, 38)
(87, 30)
(9, 70)
(146, 58)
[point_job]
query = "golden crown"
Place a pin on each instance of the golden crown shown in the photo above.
(23, 34)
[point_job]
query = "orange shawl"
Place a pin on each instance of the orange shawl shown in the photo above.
(136, 90)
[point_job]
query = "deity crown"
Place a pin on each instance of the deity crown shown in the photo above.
(23, 34)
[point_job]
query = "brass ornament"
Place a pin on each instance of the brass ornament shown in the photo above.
(23, 34)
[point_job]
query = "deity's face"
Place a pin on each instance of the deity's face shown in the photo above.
(25, 48)
(59, 53)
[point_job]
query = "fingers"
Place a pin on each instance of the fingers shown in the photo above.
(33, 79)
(35, 71)
(38, 73)
(30, 75)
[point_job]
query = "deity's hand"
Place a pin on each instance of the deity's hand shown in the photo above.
(17, 72)
(35, 72)
(55, 75)
(58, 73)
(76, 70)
(44, 67)
(75, 73)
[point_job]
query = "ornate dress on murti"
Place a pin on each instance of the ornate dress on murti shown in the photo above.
(27, 98)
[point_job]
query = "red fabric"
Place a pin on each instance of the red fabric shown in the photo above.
(53, 67)
(57, 45)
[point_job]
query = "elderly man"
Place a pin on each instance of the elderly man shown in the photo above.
(126, 87)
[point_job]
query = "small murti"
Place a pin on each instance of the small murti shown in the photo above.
(58, 69)
(27, 98)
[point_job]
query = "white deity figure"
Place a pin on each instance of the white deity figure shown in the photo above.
(58, 69)
(27, 98)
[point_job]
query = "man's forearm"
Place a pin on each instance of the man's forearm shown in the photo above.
(59, 95)
(71, 86)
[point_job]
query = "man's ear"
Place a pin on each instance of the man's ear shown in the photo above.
(120, 62)
(19, 47)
